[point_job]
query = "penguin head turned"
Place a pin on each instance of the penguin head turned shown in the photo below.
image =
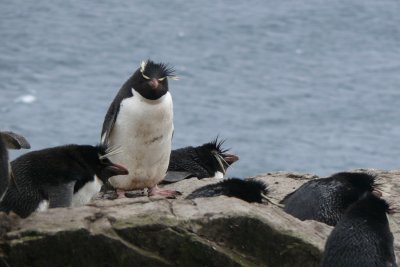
(215, 157)
(9, 140)
(151, 79)
(103, 166)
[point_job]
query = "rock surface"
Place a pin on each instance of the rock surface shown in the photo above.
(144, 231)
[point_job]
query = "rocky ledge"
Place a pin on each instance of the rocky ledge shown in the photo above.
(144, 231)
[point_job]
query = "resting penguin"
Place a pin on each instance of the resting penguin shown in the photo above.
(362, 237)
(140, 122)
(249, 190)
(58, 177)
(326, 199)
(207, 160)
(8, 140)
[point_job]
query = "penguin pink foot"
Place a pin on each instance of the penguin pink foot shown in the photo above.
(156, 191)
(120, 193)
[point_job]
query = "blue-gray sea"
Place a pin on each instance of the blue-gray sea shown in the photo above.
(297, 85)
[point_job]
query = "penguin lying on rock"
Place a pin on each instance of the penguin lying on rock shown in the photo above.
(58, 177)
(207, 160)
(249, 190)
(362, 237)
(326, 199)
(8, 140)
(140, 121)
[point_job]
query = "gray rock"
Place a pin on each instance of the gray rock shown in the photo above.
(144, 231)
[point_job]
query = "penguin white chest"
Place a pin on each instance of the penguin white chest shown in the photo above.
(143, 129)
(85, 194)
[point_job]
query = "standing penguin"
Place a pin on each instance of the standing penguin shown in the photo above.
(140, 122)
(362, 237)
(58, 177)
(207, 160)
(12, 141)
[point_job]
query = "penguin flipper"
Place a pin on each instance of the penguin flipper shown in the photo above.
(176, 176)
(112, 112)
(109, 122)
(14, 141)
(60, 195)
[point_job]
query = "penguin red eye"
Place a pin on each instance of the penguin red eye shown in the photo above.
(145, 76)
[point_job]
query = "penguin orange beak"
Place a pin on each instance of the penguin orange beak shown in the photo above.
(116, 169)
(230, 158)
(153, 83)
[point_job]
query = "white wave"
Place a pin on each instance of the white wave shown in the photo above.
(26, 99)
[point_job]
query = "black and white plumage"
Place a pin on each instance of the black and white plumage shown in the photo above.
(326, 199)
(249, 190)
(57, 177)
(140, 122)
(207, 160)
(8, 140)
(362, 237)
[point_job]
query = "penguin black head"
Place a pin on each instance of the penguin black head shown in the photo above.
(371, 207)
(151, 79)
(214, 157)
(97, 158)
(207, 160)
(249, 190)
(104, 168)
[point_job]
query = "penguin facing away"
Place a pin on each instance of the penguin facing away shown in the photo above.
(207, 160)
(362, 237)
(326, 199)
(8, 140)
(58, 177)
(140, 122)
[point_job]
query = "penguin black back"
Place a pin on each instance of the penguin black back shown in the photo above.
(326, 199)
(53, 175)
(201, 161)
(249, 190)
(362, 237)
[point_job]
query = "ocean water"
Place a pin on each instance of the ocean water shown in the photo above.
(297, 85)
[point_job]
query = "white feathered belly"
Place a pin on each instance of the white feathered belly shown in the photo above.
(143, 130)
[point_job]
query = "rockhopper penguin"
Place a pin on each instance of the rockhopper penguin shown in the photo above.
(8, 140)
(362, 237)
(326, 199)
(249, 190)
(207, 160)
(140, 122)
(58, 177)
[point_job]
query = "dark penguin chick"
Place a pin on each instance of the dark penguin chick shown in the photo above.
(249, 190)
(362, 237)
(57, 177)
(207, 160)
(8, 140)
(140, 122)
(326, 199)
